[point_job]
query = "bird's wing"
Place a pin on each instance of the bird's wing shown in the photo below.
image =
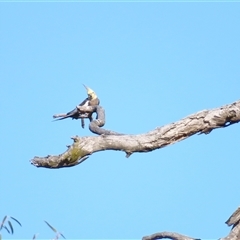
(85, 101)
(75, 114)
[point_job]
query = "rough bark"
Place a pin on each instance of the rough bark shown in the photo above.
(234, 234)
(201, 122)
(171, 235)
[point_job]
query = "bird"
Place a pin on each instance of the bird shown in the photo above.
(91, 100)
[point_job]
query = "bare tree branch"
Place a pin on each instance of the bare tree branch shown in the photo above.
(234, 218)
(171, 235)
(201, 122)
(233, 235)
(233, 221)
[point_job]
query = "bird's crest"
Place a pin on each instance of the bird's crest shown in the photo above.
(90, 92)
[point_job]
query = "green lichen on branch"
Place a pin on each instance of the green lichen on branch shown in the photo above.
(75, 153)
(72, 157)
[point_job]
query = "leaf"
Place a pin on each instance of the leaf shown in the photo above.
(55, 230)
(51, 227)
(62, 235)
(3, 221)
(16, 220)
(6, 229)
(11, 227)
(34, 236)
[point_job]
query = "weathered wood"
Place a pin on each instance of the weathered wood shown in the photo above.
(201, 122)
(171, 235)
(234, 218)
(234, 234)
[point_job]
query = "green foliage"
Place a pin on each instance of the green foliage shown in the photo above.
(7, 225)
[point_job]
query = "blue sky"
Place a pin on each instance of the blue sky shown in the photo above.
(150, 64)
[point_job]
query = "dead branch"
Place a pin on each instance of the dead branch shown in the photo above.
(201, 122)
(233, 235)
(95, 125)
(234, 218)
(171, 235)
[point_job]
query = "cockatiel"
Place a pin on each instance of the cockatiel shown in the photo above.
(91, 100)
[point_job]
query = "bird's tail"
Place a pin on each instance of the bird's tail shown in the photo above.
(72, 114)
(60, 116)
